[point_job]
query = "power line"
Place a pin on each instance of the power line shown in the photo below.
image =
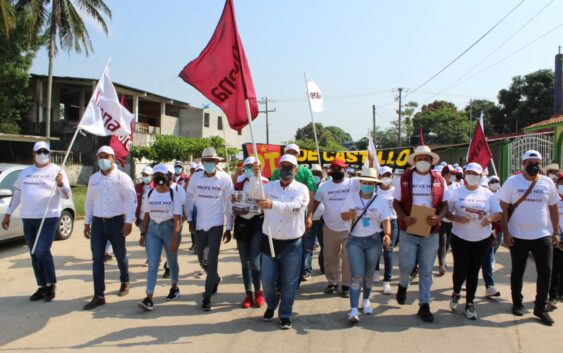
(466, 50)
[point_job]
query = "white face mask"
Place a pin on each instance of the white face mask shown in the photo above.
(386, 181)
(42, 158)
(422, 166)
(560, 189)
(472, 180)
(494, 186)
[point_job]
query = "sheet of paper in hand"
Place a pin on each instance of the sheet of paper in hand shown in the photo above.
(244, 204)
(421, 227)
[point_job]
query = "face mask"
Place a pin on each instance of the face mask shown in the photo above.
(367, 189)
(337, 176)
(532, 169)
(42, 158)
(386, 181)
(178, 170)
(458, 177)
(452, 178)
(104, 164)
(286, 174)
(146, 180)
(553, 176)
(494, 186)
(248, 172)
(472, 180)
(317, 179)
(422, 166)
(560, 189)
(160, 180)
(209, 167)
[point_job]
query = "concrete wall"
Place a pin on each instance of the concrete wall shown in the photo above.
(191, 122)
(169, 125)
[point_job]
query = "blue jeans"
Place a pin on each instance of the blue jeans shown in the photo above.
(308, 245)
(160, 236)
(285, 269)
(411, 249)
(363, 254)
(488, 260)
(249, 253)
(101, 232)
(388, 252)
(42, 260)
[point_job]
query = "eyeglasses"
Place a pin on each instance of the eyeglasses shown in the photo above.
(42, 151)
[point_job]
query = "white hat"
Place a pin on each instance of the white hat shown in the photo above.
(179, 163)
(531, 154)
(474, 167)
(552, 166)
(458, 170)
(384, 170)
(105, 149)
(369, 174)
(160, 168)
(289, 158)
(443, 163)
(293, 147)
(316, 168)
(146, 170)
(350, 170)
(423, 150)
(193, 165)
(211, 153)
(493, 177)
(250, 160)
(41, 144)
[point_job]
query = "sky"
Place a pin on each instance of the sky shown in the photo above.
(358, 52)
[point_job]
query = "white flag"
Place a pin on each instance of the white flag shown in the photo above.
(315, 97)
(104, 114)
(372, 152)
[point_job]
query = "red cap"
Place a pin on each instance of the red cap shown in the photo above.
(338, 163)
(560, 177)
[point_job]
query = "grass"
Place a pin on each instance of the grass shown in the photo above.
(79, 196)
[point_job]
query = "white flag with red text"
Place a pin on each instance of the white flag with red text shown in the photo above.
(315, 97)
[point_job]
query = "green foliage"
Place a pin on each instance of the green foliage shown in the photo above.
(488, 108)
(305, 138)
(443, 119)
(7, 17)
(340, 136)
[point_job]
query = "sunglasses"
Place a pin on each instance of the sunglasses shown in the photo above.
(42, 151)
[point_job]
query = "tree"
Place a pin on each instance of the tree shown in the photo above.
(7, 17)
(305, 138)
(407, 129)
(60, 18)
(340, 136)
(488, 108)
(443, 119)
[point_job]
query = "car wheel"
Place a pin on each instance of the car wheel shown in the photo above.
(65, 226)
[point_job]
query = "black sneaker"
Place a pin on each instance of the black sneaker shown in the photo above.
(285, 323)
(174, 294)
(146, 304)
(269, 314)
(544, 317)
(206, 304)
(518, 309)
(401, 295)
(49, 293)
(331, 289)
(345, 292)
(425, 314)
(38, 295)
(216, 286)
(166, 273)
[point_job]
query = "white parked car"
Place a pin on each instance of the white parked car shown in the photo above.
(8, 175)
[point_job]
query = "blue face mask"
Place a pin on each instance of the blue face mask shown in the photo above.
(178, 170)
(286, 174)
(367, 189)
(209, 167)
(317, 179)
(146, 180)
(104, 164)
(248, 172)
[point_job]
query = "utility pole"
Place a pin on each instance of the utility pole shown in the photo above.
(400, 89)
(373, 131)
(265, 101)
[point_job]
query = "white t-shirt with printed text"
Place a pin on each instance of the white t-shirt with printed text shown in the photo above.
(160, 206)
(376, 213)
(332, 195)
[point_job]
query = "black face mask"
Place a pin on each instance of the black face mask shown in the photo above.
(458, 177)
(532, 169)
(286, 174)
(160, 180)
(337, 176)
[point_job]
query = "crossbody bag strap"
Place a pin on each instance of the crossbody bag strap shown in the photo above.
(362, 214)
(520, 200)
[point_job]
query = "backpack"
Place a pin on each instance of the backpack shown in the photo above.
(171, 194)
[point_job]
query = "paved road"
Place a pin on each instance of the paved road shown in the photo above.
(319, 324)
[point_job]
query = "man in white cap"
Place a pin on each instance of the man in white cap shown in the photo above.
(419, 186)
(110, 208)
(285, 204)
(529, 202)
(32, 190)
(211, 193)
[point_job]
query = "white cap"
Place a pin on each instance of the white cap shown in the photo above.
(443, 163)
(292, 146)
(458, 170)
(494, 177)
(289, 158)
(193, 165)
(384, 170)
(147, 170)
(41, 144)
(250, 160)
(350, 170)
(316, 168)
(474, 167)
(160, 168)
(179, 163)
(531, 154)
(105, 149)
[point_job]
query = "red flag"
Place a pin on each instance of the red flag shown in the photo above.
(221, 72)
(479, 150)
(421, 134)
(122, 144)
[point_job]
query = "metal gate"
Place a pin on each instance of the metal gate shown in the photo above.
(542, 142)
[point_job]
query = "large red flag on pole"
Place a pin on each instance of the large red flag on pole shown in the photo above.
(479, 150)
(122, 144)
(221, 72)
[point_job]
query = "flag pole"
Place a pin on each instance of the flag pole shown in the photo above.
(255, 149)
(313, 121)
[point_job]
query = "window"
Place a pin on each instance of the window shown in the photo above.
(219, 123)
(9, 180)
(206, 119)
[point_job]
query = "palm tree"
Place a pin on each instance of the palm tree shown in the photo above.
(7, 17)
(62, 19)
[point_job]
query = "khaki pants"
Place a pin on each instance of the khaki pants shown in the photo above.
(335, 255)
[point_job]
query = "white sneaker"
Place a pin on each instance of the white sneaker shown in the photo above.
(200, 273)
(376, 277)
(470, 312)
(366, 307)
(492, 292)
(354, 316)
(387, 288)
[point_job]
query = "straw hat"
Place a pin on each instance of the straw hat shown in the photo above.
(210, 153)
(424, 150)
(369, 174)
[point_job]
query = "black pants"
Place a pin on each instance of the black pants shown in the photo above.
(468, 257)
(542, 250)
(556, 274)
(445, 238)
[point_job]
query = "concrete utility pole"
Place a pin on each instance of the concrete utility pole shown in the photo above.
(265, 101)
(400, 89)
(373, 131)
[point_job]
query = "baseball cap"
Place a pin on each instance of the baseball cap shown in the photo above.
(105, 149)
(41, 145)
(474, 167)
(384, 170)
(179, 163)
(292, 146)
(147, 170)
(250, 160)
(289, 158)
(338, 163)
(160, 168)
(531, 154)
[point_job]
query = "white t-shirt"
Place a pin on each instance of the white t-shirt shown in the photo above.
(475, 205)
(530, 219)
(421, 190)
(449, 190)
(160, 206)
(377, 212)
(332, 195)
(212, 197)
(560, 206)
(388, 195)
